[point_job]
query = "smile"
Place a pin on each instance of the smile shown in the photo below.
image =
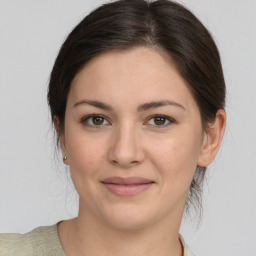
(127, 186)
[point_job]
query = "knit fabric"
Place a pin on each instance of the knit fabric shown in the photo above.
(42, 241)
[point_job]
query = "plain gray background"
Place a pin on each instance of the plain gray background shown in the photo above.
(34, 190)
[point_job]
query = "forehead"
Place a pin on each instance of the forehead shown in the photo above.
(137, 75)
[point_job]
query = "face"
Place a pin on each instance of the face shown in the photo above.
(133, 138)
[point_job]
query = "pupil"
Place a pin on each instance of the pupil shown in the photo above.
(159, 120)
(97, 120)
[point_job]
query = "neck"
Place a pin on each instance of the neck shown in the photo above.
(86, 236)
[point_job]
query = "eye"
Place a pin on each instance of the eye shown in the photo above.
(94, 121)
(160, 121)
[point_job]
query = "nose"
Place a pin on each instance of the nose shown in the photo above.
(126, 147)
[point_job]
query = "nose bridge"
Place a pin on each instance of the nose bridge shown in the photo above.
(126, 148)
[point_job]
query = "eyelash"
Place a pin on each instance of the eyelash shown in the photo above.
(85, 119)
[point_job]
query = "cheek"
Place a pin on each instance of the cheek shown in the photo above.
(86, 158)
(85, 155)
(175, 158)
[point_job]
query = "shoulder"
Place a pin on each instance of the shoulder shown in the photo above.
(40, 241)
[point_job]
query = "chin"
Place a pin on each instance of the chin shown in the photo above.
(129, 218)
(128, 223)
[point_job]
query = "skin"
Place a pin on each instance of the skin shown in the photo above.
(131, 143)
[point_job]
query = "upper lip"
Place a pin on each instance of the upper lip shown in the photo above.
(126, 181)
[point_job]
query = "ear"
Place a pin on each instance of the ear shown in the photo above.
(212, 139)
(61, 139)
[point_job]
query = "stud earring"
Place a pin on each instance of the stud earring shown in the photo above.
(65, 158)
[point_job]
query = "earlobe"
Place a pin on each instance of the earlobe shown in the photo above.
(212, 139)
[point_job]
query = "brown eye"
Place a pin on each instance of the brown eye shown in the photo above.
(97, 120)
(94, 121)
(159, 120)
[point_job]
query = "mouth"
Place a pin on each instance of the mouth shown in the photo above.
(127, 186)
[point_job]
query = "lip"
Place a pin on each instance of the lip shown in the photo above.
(126, 186)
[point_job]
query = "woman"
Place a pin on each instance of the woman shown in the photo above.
(137, 99)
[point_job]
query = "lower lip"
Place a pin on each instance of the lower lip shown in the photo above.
(127, 190)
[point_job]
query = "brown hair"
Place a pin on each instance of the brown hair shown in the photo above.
(162, 24)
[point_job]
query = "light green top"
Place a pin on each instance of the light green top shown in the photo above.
(41, 241)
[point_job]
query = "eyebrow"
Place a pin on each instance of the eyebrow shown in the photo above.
(157, 104)
(142, 107)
